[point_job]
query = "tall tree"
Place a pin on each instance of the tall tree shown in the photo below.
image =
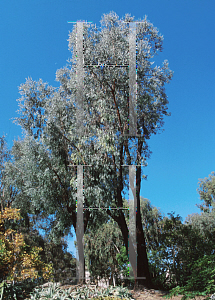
(110, 89)
(42, 169)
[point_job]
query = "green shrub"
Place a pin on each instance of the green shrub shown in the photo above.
(201, 282)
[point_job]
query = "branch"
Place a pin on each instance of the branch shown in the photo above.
(116, 218)
(58, 177)
(116, 247)
(114, 99)
(63, 186)
(127, 152)
(71, 143)
(114, 163)
(101, 82)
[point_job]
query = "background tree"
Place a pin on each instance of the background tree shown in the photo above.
(16, 262)
(196, 275)
(64, 264)
(206, 191)
(7, 192)
(195, 256)
(101, 247)
(201, 280)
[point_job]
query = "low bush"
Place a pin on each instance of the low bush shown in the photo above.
(17, 262)
(201, 282)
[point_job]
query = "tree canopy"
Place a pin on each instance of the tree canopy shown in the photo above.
(42, 169)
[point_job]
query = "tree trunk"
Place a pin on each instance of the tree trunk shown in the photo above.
(142, 259)
(74, 219)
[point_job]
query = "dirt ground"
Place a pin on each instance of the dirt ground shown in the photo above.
(141, 294)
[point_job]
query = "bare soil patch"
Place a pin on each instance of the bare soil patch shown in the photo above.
(141, 294)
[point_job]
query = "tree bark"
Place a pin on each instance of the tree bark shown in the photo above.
(86, 218)
(142, 259)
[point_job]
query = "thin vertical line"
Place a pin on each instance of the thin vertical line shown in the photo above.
(132, 223)
(80, 78)
(80, 132)
(79, 224)
(132, 80)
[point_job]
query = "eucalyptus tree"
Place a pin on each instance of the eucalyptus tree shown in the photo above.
(105, 96)
(43, 169)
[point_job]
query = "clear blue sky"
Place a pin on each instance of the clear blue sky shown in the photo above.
(33, 39)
